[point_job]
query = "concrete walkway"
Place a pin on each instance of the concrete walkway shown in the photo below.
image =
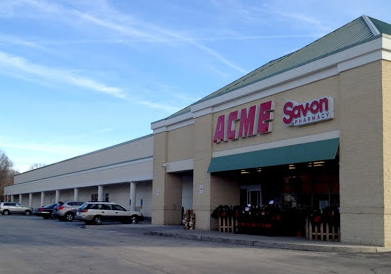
(293, 243)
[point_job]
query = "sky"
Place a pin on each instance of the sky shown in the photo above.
(81, 75)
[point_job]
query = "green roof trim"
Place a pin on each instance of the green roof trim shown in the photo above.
(293, 154)
(381, 26)
(350, 35)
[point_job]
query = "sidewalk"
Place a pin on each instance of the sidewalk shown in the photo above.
(293, 243)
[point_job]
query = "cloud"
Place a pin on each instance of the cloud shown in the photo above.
(256, 37)
(20, 65)
(154, 105)
(296, 16)
(21, 68)
(128, 26)
(154, 33)
(8, 39)
(93, 85)
(186, 98)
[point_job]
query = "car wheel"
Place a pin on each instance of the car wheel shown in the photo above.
(97, 220)
(134, 219)
(69, 217)
(6, 212)
(27, 212)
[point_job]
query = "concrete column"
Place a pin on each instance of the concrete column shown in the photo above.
(20, 198)
(42, 198)
(12, 198)
(30, 199)
(57, 196)
(132, 196)
(76, 194)
(100, 194)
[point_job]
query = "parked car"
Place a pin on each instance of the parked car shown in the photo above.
(98, 212)
(46, 211)
(7, 208)
(66, 211)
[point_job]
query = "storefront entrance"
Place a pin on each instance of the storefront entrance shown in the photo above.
(250, 195)
(294, 186)
(281, 200)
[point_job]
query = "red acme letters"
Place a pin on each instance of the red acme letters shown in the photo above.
(248, 122)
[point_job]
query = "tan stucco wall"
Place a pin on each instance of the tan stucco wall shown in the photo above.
(316, 90)
(180, 144)
(167, 188)
(361, 160)
(386, 84)
(132, 150)
(222, 191)
(158, 186)
(203, 153)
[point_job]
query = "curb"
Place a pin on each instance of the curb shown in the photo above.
(278, 245)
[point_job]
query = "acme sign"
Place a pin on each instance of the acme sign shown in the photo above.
(296, 114)
(244, 123)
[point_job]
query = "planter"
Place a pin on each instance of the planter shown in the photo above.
(322, 231)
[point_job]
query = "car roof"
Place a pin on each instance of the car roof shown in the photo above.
(109, 203)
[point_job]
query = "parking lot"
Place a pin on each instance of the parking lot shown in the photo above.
(30, 244)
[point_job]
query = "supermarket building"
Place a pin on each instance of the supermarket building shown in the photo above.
(311, 128)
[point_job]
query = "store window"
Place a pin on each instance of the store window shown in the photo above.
(314, 184)
(94, 197)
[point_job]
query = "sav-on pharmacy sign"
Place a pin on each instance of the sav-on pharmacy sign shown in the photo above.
(314, 111)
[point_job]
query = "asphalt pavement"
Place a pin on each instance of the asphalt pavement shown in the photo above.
(32, 245)
(279, 242)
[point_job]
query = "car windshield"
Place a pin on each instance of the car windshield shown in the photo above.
(75, 203)
(83, 206)
(50, 206)
(118, 207)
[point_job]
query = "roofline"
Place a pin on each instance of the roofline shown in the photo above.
(371, 26)
(294, 74)
(89, 153)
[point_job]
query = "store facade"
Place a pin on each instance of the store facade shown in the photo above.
(307, 129)
(121, 173)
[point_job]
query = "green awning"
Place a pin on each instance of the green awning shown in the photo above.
(308, 152)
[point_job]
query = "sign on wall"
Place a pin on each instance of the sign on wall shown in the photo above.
(257, 119)
(247, 122)
(314, 111)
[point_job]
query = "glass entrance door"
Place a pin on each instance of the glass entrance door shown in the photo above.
(250, 194)
(254, 197)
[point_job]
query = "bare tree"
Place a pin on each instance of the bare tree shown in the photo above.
(7, 173)
(36, 165)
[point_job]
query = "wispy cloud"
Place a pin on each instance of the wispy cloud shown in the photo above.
(124, 24)
(186, 98)
(296, 16)
(256, 37)
(22, 68)
(155, 105)
(94, 85)
(154, 33)
(8, 39)
(21, 65)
